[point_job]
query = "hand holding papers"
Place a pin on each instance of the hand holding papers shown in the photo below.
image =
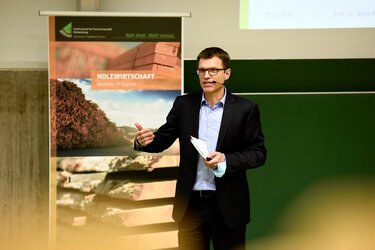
(201, 147)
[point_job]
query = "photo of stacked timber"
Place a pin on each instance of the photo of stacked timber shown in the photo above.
(149, 56)
(116, 202)
(78, 59)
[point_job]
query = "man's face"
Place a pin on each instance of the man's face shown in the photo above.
(206, 79)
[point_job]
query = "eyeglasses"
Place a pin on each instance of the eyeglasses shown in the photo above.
(211, 72)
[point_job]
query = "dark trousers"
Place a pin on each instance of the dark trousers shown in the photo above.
(203, 222)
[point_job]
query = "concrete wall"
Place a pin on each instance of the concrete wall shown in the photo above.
(24, 171)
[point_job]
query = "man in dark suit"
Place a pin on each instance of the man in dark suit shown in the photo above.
(212, 199)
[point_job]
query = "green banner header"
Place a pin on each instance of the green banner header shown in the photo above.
(135, 29)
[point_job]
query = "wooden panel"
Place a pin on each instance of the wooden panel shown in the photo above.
(170, 49)
(148, 241)
(117, 163)
(157, 58)
(137, 191)
(138, 217)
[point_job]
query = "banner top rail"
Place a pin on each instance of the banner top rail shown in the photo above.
(114, 14)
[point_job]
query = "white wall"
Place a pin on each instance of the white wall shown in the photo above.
(23, 42)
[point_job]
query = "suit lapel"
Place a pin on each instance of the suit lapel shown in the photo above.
(225, 120)
(195, 115)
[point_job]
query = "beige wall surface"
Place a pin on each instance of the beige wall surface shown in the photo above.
(23, 33)
(216, 23)
(213, 23)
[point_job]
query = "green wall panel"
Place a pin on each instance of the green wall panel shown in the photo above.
(309, 138)
(318, 75)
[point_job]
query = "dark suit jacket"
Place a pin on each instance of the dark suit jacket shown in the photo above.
(240, 139)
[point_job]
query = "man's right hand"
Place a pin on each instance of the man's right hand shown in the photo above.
(144, 136)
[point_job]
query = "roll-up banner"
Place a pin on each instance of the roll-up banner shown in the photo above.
(105, 74)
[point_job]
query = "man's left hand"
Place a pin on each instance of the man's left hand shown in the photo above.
(217, 157)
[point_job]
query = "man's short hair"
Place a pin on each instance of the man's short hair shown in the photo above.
(210, 52)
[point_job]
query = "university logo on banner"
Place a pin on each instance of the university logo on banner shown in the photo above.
(67, 30)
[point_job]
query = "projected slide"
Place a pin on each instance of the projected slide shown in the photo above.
(306, 14)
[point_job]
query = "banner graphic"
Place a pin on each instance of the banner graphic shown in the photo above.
(106, 73)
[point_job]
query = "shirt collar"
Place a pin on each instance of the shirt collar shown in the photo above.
(222, 101)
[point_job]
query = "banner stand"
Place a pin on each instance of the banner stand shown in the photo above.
(108, 70)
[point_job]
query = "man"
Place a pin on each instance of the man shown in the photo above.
(212, 196)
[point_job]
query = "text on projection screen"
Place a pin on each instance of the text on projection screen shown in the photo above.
(307, 14)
